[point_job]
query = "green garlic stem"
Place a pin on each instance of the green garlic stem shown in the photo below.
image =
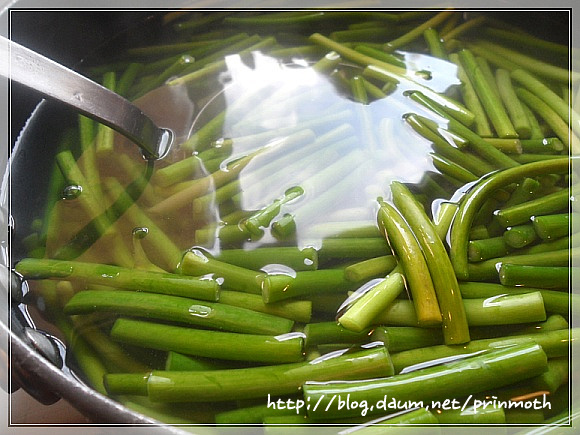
(210, 344)
(278, 380)
(362, 312)
(475, 374)
(178, 309)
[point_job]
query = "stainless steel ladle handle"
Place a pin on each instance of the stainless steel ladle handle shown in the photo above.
(89, 98)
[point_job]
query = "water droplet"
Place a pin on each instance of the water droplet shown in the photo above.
(72, 192)
(109, 275)
(140, 232)
(219, 143)
(78, 96)
(200, 311)
(187, 59)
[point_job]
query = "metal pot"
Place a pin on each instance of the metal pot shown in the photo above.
(36, 358)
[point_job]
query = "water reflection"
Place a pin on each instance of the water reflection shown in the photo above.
(300, 128)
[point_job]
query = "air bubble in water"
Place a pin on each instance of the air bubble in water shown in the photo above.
(140, 232)
(72, 192)
(200, 310)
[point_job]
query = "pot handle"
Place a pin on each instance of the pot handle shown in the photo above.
(18, 324)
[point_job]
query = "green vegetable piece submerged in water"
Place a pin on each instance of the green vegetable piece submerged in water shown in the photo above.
(277, 206)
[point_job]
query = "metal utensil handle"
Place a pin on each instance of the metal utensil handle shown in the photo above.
(91, 99)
